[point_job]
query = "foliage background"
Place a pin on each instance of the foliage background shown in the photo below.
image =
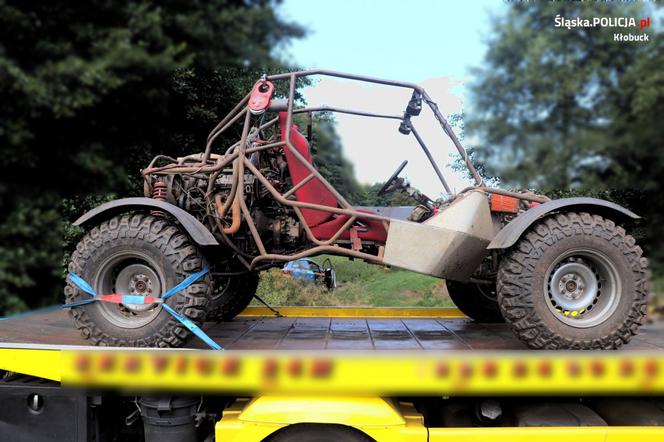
(91, 91)
(572, 111)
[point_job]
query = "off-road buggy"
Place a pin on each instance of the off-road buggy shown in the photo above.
(561, 272)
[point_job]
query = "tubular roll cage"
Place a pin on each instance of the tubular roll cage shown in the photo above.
(237, 154)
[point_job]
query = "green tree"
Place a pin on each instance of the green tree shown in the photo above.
(90, 91)
(540, 102)
(634, 159)
(570, 109)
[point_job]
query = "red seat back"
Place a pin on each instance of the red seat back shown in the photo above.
(314, 191)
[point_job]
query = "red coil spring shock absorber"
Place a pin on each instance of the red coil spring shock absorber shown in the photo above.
(159, 191)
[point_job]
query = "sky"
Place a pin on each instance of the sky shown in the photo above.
(434, 43)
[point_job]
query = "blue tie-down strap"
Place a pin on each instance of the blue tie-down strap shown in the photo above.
(81, 284)
(119, 298)
(192, 327)
(189, 280)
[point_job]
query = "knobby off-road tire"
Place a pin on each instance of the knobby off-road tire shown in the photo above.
(231, 295)
(478, 302)
(144, 255)
(561, 257)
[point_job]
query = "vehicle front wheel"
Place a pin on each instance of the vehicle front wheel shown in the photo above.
(139, 255)
(477, 301)
(574, 281)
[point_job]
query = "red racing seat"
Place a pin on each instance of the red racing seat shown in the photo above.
(367, 229)
(323, 224)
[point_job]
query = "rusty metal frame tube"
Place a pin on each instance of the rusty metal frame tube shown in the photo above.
(299, 185)
(237, 186)
(431, 160)
(160, 157)
(432, 105)
(229, 115)
(238, 175)
(176, 168)
(352, 214)
(346, 111)
(252, 228)
(298, 155)
(329, 73)
(349, 222)
(450, 133)
(218, 128)
(303, 205)
(321, 245)
(231, 195)
(235, 211)
(210, 141)
(238, 157)
(335, 250)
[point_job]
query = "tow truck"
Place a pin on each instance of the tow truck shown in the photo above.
(328, 374)
(562, 275)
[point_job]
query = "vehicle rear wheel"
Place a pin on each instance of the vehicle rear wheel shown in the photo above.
(138, 255)
(477, 301)
(574, 281)
(231, 295)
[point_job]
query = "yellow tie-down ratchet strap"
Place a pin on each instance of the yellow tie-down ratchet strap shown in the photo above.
(385, 373)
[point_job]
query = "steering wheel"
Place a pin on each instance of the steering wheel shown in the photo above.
(383, 190)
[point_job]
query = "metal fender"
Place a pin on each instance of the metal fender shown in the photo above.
(253, 420)
(509, 235)
(196, 230)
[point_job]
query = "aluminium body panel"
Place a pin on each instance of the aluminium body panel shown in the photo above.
(449, 245)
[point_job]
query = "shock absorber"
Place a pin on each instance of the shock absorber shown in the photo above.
(159, 192)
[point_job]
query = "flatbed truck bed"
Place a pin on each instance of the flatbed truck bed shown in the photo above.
(326, 329)
(387, 374)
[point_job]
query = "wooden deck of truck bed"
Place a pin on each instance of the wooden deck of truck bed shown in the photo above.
(332, 329)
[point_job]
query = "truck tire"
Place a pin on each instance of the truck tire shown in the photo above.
(574, 281)
(140, 255)
(318, 433)
(477, 301)
(231, 295)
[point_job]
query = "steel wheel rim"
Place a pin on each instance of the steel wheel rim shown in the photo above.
(582, 288)
(220, 289)
(129, 273)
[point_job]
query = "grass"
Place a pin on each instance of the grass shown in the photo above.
(358, 284)
(367, 285)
